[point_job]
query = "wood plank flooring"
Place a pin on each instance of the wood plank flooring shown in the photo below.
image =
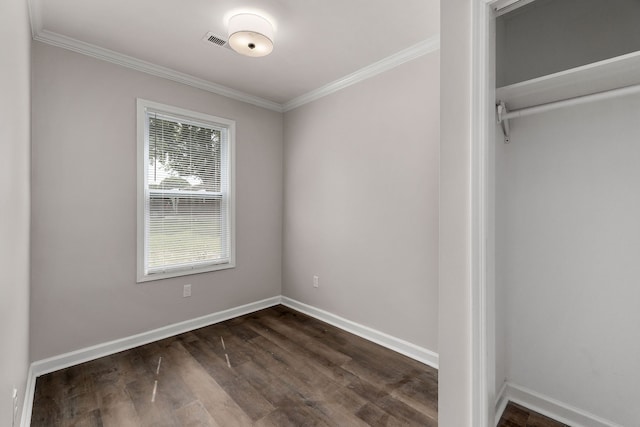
(275, 367)
(518, 416)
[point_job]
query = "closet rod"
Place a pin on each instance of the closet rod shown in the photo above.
(598, 96)
(504, 115)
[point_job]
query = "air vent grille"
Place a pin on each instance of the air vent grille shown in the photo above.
(215, 39)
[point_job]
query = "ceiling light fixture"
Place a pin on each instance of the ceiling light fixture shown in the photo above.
(250, 35)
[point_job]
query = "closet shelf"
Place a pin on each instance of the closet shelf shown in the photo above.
(599, 76)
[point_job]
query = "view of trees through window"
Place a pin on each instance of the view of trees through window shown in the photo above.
(185, 195)
(183, 155)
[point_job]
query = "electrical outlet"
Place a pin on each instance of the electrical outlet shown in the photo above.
(186, 291)
(316, 281)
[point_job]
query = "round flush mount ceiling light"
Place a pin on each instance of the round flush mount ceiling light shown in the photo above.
(250, 35)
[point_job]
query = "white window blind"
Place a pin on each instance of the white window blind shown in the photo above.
(187, 221)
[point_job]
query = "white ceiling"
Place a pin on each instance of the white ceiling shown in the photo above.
(316, 41)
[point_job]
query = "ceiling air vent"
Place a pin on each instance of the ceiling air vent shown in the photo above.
(216, 40)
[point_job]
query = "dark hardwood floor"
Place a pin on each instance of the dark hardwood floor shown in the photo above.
(518, 416)
(275, 367)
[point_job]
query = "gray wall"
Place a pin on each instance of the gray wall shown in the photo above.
(15, 72)
(567, 210)
(84, 289)
(361, 202)
(495, 292)
(548, 36)
(454, 322)
(499, 217)
(571, 250)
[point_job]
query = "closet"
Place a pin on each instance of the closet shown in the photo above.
(567, 209)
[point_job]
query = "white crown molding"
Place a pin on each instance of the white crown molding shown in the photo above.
(411, 350)
(35, 16)
(427, 46)
(548, 406)
(424, 47)
(98, 52)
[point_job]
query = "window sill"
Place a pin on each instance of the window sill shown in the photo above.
(186, 272)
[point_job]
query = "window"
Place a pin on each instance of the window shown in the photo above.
(185, 192)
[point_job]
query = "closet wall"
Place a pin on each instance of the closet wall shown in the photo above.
(548, 36)
(568, 226)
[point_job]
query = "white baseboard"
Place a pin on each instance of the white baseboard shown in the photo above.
(501, 402)
(76, 357)
(27, 403)
(548, 406)
(413, 351)
(82, 355)
(45, 366)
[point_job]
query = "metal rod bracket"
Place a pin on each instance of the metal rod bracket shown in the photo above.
(501, 111)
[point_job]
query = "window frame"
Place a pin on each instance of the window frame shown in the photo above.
(143, 106)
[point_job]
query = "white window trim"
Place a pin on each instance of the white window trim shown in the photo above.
(142, 106)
